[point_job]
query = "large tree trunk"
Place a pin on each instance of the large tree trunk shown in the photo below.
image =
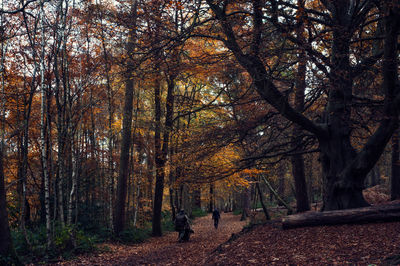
(344, 169)
(389, 212)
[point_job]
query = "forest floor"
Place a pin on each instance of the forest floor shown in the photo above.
(166, 250)
(356, 244)
(269, 244)
(264, 244)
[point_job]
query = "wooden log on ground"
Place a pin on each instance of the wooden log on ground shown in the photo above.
(378, 213)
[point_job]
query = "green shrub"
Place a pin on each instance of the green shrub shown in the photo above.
(67, 242)
(70, 240)
(237, 212)
(198, 212)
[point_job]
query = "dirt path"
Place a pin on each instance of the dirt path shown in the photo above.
(166, 250)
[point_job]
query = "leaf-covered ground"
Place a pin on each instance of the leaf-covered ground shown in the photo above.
(268, 244)
(325, 245)
(166, 250)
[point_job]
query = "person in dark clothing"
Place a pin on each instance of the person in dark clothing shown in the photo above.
(182, 226)
(216, 216)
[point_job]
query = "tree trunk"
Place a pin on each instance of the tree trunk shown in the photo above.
(395, 178)
(265, 210)
(211, 202)
(246, 194)
(6, 247)
(297, 160)
(73, 191)
(344, 169)
(119, 216)
(161, 156)
(43, 125)
(171, 203)
(278, 198)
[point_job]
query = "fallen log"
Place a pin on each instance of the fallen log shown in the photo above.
(377, 213)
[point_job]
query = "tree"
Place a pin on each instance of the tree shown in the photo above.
(299, 91)
(344, 167)
(395, 178)
(119, 216)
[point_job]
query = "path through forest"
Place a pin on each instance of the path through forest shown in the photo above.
(166, 250)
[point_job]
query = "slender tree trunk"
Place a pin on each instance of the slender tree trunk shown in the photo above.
(137, 206)
(197, 198)
(395, 178)
(110, 101)
(73, 191)
(211, 198)
(260, 194)
(246, 194)
(43, 126)
(158, 192)
(278, 198)
(297, 160)
(119, 216)
(161, 156)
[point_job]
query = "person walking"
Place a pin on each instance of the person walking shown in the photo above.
(216, 216)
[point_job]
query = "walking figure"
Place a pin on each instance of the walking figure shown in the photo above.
(216, 216)
(182, 226)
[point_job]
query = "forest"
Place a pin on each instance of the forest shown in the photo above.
(117, 114)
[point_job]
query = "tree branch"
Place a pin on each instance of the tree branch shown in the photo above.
(17, 10)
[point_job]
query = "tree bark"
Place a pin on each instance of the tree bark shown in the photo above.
(246, 194)
(6, 247)
(297, 160)
(382, 213)
(395, 178)
(261, 195)
(278, 198)
(119, 216)
(211, 199)
(161, 156)
(43, 124)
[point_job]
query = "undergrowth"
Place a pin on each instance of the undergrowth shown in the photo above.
(67, 242)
